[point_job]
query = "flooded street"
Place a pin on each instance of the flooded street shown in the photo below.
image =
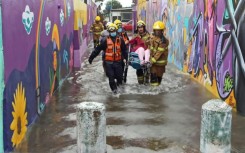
(140, 119)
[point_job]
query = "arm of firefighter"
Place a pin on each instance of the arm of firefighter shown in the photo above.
(98, 49)
(124, 49)
(102, 27)
(127, 41)
(160, 50)
(91, 28)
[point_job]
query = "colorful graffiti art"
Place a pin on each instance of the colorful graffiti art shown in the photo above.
(37, 62)
(1, 83)
(206, 42)
(19, 123)
(213, 57)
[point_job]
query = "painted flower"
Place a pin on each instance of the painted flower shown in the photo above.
(47, 26)
(19, 123)
(62, 17)
(27, 19)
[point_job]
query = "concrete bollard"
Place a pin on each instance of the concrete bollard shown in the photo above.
(216, 127)
(91, 128)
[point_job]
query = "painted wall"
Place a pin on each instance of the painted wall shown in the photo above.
(42, 41)
(83, 18)
(206, 42)
(1, 83)
(38, 54)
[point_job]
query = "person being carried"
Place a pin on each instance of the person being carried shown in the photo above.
(159, 53)
(115, 50)
(139, 43)
(96, 28)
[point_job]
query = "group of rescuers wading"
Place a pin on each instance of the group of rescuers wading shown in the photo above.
(152, 50)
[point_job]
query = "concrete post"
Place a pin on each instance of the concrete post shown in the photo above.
(91, 128)
(216, 127)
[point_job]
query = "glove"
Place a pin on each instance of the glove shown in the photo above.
(90, 60)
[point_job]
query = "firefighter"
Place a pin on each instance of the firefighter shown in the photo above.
(104, 34)
(96, 28)
(121, 32)
(143, 35)
(115, 52)
(159, 53)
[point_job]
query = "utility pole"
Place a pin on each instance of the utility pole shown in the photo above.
(110, 11)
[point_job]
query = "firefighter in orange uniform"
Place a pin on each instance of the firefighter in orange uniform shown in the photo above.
(159, 53)
(96, 28)
(115, 52)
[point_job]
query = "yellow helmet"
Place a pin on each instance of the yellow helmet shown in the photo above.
(158, 25)
(140, 23)
(97, 18)
(117, 22)
(112, 27)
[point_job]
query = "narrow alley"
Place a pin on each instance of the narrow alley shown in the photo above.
(140, 119)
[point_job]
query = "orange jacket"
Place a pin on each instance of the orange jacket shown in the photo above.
(113, 50)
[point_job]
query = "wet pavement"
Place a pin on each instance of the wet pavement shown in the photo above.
(140, 119)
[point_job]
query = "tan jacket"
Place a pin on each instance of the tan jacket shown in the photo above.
(96, 29)
(159, 51)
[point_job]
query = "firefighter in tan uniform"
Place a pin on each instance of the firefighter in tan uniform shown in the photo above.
(96, 29)
(159, 53)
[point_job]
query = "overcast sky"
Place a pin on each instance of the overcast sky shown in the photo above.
(125, 3)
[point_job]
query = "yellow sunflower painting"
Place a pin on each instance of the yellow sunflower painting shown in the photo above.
(19, 123)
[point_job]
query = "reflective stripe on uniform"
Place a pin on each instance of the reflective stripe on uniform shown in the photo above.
(161, 49)
(109, 54)
(155, 84)
(161, 62)
(153, 60)
(140, 78)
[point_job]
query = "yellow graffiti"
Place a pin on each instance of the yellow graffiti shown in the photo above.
(190, 1)
(19, 123)
(55, 68)
(55, 36)
(37, 43)
(80, 13)
(141, 5)
(173, 2)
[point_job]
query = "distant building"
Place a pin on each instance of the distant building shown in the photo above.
(123, 14)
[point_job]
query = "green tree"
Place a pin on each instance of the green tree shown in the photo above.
(115, 4)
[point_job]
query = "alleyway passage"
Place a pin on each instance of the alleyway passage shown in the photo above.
(140, 119)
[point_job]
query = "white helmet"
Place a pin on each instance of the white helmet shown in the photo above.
(107, 24)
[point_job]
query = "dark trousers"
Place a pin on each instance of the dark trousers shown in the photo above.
(114, 72)
(140, 76)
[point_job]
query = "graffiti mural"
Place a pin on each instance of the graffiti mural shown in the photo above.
(206, 42)
(19, 123)
(82, 23)
(210, 58)
(141, 6)
(38, 41)
(1, 82)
